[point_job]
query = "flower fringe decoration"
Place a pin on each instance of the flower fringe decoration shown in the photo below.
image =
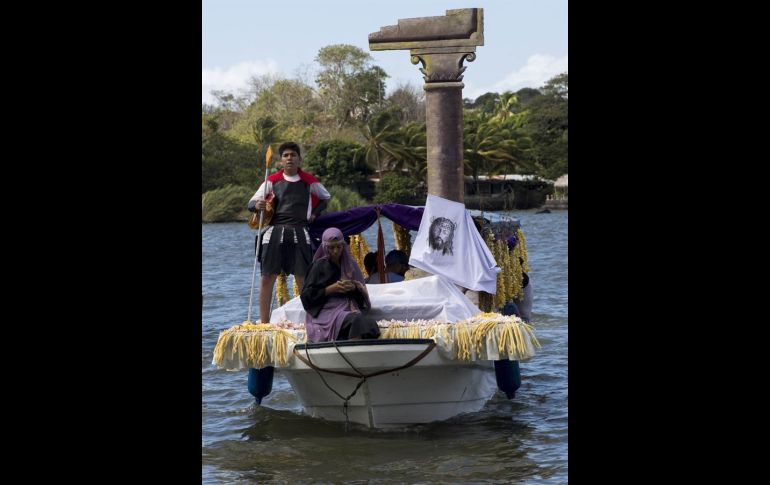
(513, 263)
(253, 345)
(522, 248)
(487, 336)
(282, 289)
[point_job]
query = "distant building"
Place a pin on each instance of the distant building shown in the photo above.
(559, 199)
(506, 191)
(560, 186)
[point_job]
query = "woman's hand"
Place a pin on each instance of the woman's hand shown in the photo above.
(341, 286)
(361, 287)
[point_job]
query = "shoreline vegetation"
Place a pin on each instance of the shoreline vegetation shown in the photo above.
(228, 204)
(374, 144)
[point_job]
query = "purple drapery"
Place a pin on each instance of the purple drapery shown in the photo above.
(357, 220)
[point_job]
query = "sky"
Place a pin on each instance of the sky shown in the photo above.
(525, 41)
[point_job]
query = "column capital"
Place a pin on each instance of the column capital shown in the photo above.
(443, 65)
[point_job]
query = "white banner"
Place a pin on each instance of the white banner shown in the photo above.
(448, 244)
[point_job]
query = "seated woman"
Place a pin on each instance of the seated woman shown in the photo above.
(334, 294)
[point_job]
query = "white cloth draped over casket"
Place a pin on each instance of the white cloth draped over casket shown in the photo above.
(406, 300)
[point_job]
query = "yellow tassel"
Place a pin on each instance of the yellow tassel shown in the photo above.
(258, 345)
(254, 345)
(358, 250)
(516, 275)
(282, 289)
(522, 244)
(363, 246)
(403, 238)
(463, 339)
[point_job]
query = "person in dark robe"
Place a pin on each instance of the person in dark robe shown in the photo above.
(334, 296)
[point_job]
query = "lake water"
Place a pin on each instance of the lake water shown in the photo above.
(519, 441)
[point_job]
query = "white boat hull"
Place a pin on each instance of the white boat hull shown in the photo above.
(433, 389)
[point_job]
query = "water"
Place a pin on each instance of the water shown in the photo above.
(518, 441)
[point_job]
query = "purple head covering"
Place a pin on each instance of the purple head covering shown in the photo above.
(348, 265)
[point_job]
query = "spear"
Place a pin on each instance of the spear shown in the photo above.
(268, 156)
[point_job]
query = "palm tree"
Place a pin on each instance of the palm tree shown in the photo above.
(484, 145)
(384, 141)
(266, 132)
(516, 144)
(415, 141)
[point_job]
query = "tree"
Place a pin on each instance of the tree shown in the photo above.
(548, 125)
(409, 103)
(557, 87)
(396, 188)
(267, 132)
(415, 141)
(492, 144)
(484, 103)
(384, 142)
(347, 84)
(257, 84)
(525, 95)
(224, 160)
(335, 163)
(289, 102)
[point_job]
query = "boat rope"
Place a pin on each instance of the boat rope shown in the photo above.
(360, 375)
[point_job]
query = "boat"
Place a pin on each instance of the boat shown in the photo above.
(439, 355)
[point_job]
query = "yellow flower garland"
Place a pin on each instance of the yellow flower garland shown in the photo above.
(403, 239)
(509, 280)
(253, 345)
(358, 250)
(486, 336)
(282, 289)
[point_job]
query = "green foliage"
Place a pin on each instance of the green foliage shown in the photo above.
(384, 148)
(350, 129)
(547, 125)
(226, 161)
(495, 144)
(397, 188)
(343, 199)
(484, 103)
(265, 131)
(416, 143)
(226, 204)
(526, 95)
(292, 106)
(349, 87)
(335, 161)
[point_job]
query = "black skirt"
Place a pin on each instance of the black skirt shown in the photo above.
(358, 325)
(281, 253)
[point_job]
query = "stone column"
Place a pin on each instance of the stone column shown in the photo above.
(444, 122)
(441, 45)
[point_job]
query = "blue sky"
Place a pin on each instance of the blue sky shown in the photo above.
(525, 41)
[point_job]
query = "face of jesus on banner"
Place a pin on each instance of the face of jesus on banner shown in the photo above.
(441, 235)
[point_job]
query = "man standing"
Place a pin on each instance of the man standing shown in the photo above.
(297, 198)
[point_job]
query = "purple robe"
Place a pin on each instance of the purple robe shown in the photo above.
(325, 313)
